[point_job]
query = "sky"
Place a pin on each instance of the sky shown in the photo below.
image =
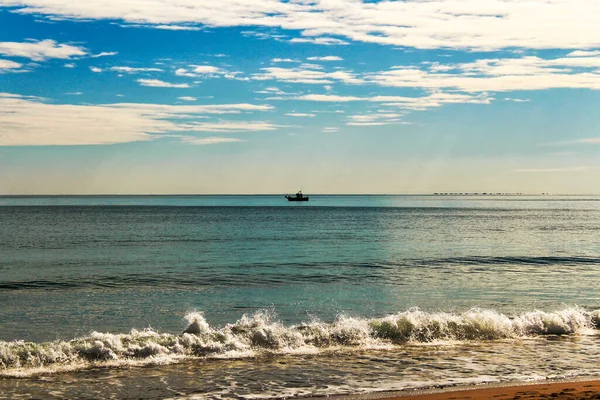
(269, 96)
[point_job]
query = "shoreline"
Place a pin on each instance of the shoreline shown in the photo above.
(564, 389)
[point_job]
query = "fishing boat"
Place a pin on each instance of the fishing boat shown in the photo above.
(298, 197)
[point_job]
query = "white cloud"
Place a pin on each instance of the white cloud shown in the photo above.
(300, 115)
(367, 123)
(582, 53)
(133, 70)
(495, 75)
(282, 60)
(304, 74)
(184, 72)
(207, 71)
(209, 140)
(28, 121)
(374, 119)
(330, 129)
(177, 28)
(457, 24)
(326, 41)
(325, 58)
(40, 51)
(105, 54)
(483, 75)
(231, 126)
(8, 64)
(310, 66)
(263, 35)
(517, 100)
(69, 65)
(159, 83)
(410, 103)
(329, 98)
(96, 69)
(187, 98)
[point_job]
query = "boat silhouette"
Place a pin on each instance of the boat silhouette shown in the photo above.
(298, 197)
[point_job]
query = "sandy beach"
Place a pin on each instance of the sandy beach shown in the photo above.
(564, 390)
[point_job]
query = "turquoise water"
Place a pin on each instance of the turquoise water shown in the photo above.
(83, 279)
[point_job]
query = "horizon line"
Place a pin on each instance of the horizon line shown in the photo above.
(457, 193)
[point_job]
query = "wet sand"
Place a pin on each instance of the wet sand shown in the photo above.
(561, 390)
(555, 390)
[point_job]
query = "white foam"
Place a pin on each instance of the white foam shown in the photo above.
(261, 332)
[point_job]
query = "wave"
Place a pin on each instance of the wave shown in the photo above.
(261, 333)
(296, 272)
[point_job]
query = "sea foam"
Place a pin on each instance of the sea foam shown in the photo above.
(262, 333)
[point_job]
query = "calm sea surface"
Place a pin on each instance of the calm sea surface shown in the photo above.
(343, 294)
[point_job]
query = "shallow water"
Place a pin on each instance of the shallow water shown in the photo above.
(70, 266)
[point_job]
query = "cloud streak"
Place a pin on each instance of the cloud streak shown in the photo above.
(209, 140)
(457, 24)
(9, 65)
(28, 121)
(162, 84)
(41, 50)
(401, 102)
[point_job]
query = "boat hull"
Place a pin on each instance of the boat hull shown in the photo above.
(290, 198)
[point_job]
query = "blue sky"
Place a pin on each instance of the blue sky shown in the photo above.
(267, 96)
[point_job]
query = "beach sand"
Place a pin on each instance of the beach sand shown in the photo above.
(562, 390)
(556, 390)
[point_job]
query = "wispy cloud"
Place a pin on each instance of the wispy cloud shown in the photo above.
(283, 60)
(374, 119)
(96, 69)
(209, 140)
(325, 58)
(187, 98)
(177, 27)
(105, 54)
(516, 100)
(206, 71)
(309, 115)
(325, 41)
(307, 74)
(162, 84)
(468, 24)
(411, 103)
(583, 53)
(133, 70)
(8, 65)
(29, 121)
(41, 50)
(495, 75)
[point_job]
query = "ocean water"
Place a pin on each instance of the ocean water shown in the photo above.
(253, 297)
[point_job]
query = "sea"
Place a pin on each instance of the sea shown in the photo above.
(255, 297)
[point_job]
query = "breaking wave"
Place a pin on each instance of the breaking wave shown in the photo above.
(261, 333)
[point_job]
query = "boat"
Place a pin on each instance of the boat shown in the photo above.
(298, 197)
